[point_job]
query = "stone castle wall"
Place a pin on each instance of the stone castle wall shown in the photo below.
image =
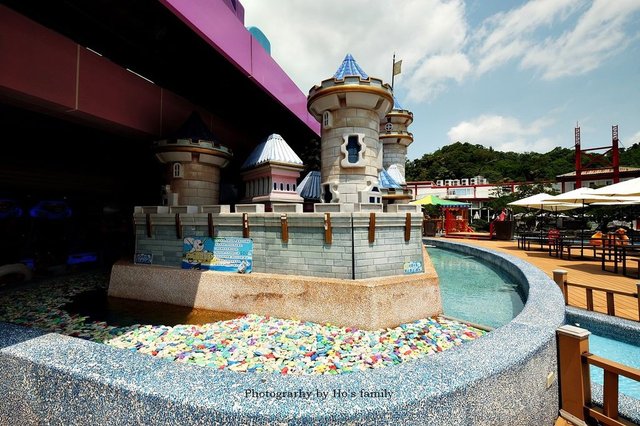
(394, 153)
(199, 186)
(350, 255)
(350, 180)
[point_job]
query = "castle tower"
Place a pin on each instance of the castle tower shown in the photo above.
(193, 161)
(395, 139)
(349, 107)
(271, 172)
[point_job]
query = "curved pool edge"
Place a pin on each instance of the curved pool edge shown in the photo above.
(497, 379)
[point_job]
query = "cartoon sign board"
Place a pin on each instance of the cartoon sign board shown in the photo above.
(225, 254)
(412, 267)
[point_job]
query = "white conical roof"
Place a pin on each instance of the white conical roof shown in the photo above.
(395, 174)
(274, 149)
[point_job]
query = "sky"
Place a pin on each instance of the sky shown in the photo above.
(512, 75)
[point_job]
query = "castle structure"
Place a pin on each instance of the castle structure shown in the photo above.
(395, 139)
(357, 259)
(271, 172)
(349, 107)
(193, 162)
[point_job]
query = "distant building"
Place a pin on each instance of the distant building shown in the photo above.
(595, 178)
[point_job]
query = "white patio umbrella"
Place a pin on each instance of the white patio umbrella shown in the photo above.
(624, 188)
(537, 201)
(587, 196)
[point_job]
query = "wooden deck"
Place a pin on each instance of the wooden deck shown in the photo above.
(580, 271)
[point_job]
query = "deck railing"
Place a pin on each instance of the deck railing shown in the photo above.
(574, 360)
(560, 277)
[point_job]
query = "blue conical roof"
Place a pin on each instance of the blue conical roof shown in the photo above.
(350, 67)
(310, 188)
(386, 181)
(396, 104)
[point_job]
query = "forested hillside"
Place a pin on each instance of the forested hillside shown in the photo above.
(461, 160)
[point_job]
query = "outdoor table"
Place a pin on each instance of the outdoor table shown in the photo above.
(624, 249)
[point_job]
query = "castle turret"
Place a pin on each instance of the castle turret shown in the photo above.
(193, 160)
(396, 138)
(349, 107)
(270, 173)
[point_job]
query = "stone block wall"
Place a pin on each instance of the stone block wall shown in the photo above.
(306, 252)
(394, 153)
(199, 186)
(350, 180)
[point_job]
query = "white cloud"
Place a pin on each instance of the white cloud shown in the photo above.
(432, 75)
(310, 39)
(503, 133)
(598, 35)
(632, 139)
(516, 35)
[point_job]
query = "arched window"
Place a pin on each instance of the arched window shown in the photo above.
(288, 187)
(294, 186)
(281, 186)
(353, 148)
(177, 170)
(327, 119)
(275, 186)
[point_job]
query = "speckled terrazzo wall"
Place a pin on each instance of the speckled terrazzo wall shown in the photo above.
(497, 379)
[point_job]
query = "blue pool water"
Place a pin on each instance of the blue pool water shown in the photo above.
(475, 291)
(621, 352)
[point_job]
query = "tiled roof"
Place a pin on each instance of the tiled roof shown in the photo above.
(396, 104)
(309, 188)
(195, 129)
(386, 181)
(605, 170)
(350, 67)
(274, 148)
(395, 174)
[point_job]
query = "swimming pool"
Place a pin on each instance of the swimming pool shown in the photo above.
(475, 291)
(621, 352)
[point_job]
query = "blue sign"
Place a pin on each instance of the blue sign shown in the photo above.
(143, 258)
(412, 267)
(224, 254)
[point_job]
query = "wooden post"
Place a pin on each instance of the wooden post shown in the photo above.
(372, 228)
(638, 294)
(611, 308)
(284, 228)
(560, 277)
(178, 226)
(407, 227)
(327, 228)
(210, 227)
(589, 299)
(575, 380)
(245, 225)
(149, 225)
(610, 394)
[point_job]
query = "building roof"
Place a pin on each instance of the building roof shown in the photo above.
(396, 104)
(395, 174)
(195, 129)
(606, 170)
(273, 149)
(386, 181)
(350, 67)
(309, 188)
